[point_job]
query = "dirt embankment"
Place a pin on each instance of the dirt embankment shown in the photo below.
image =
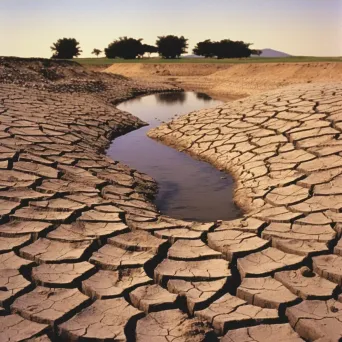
(232, 80)
(62, 76)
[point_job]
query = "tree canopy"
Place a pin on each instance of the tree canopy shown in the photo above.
(149, 49)
(96, 52)
(127, 48)
(225, 48)
(171, 46)
(256, 52)
(66, 48)
(205, 48)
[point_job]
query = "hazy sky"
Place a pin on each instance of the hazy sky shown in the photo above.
(298, 27)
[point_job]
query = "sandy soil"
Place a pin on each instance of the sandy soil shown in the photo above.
(226, 81)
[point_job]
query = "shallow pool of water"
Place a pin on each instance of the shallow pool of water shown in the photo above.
(188, 189)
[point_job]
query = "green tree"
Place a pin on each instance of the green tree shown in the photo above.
(96, 52)
(127, 48)
(256, 52)
(205, 48)
(149, 49)
(225, 48)
(171, 46)
(66, 48)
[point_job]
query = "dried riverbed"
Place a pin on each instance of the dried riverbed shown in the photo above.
(86, 255)
(187, 188)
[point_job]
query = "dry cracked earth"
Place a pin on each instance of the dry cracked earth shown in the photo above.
(86, 256)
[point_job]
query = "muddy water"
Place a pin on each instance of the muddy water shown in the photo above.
(188, 189)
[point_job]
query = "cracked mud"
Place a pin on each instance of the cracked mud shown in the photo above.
(85, 254)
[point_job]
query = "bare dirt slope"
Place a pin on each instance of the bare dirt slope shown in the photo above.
(223, 80)
(168, 69)
(70, 77)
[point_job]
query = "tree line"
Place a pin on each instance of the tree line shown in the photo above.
(225, 48)
(169, 46)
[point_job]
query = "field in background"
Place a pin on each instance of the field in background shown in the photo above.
(106, 61)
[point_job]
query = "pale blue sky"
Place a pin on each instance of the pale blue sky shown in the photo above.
(298, 27)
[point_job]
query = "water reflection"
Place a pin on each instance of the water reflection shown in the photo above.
(174, 97)
(203, 96)
(188, 188)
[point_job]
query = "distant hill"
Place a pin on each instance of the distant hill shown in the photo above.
(270, 53)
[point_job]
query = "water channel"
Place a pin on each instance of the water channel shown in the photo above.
(188, 189)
